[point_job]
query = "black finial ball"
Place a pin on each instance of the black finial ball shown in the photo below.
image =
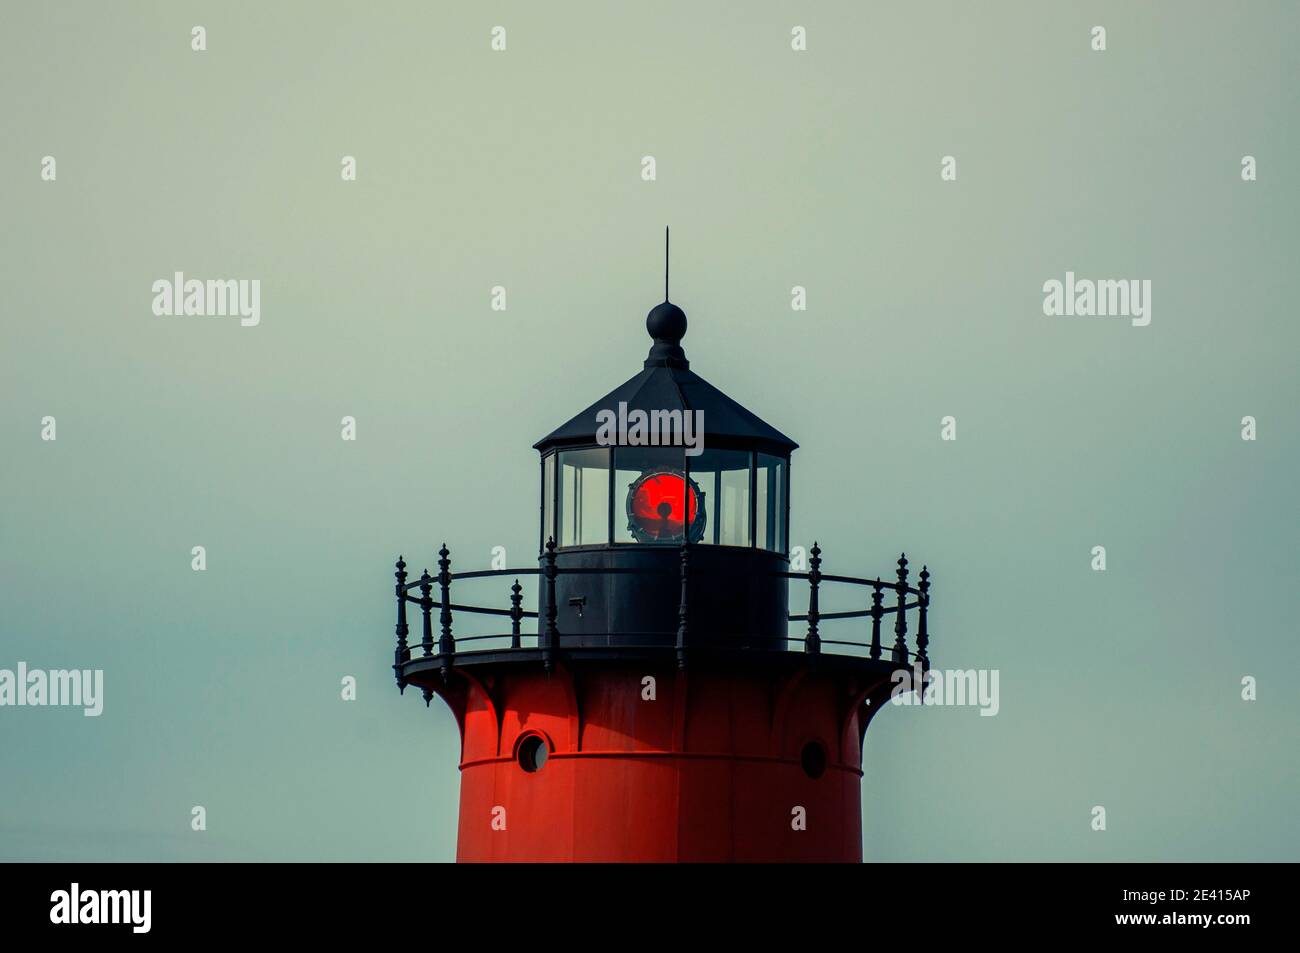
(666, 322)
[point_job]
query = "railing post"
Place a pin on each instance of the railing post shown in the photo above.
(403, 651)
(813, 644)
(446, 644)
(922, 632)
(426, 607)
(900, 620)
(877, 610)
(682, 612)
(516, 613)
(551, 634)
(426, 638)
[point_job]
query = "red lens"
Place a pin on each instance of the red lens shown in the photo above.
(657, 505)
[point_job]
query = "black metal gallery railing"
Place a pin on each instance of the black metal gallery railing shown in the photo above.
(446, 647)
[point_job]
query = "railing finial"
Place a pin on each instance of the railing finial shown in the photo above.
(900, 618)
(922, 630)
(551, 633)
(877, 610)
(426, 607)
(403, 652)
(446, 644)
(516, 613)
(813, 643)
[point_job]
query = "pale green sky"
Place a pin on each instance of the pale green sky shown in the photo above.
(522, 169)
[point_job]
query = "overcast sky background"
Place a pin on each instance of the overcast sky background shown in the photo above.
(522, 169)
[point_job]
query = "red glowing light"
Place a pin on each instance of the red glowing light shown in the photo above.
(656, 502)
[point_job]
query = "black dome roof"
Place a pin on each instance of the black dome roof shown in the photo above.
(668, 383)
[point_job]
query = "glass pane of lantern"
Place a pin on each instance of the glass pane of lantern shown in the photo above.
(783, 535)
(723, 479)
(769, 512)
(651, 494)
(584, 497)
(548, 498)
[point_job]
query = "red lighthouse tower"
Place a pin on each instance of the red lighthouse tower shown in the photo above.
(669, 706)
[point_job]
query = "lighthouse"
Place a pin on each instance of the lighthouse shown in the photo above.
(662, 702)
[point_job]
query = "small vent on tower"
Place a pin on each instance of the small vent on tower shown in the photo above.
(813, 759)
(532, 753)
